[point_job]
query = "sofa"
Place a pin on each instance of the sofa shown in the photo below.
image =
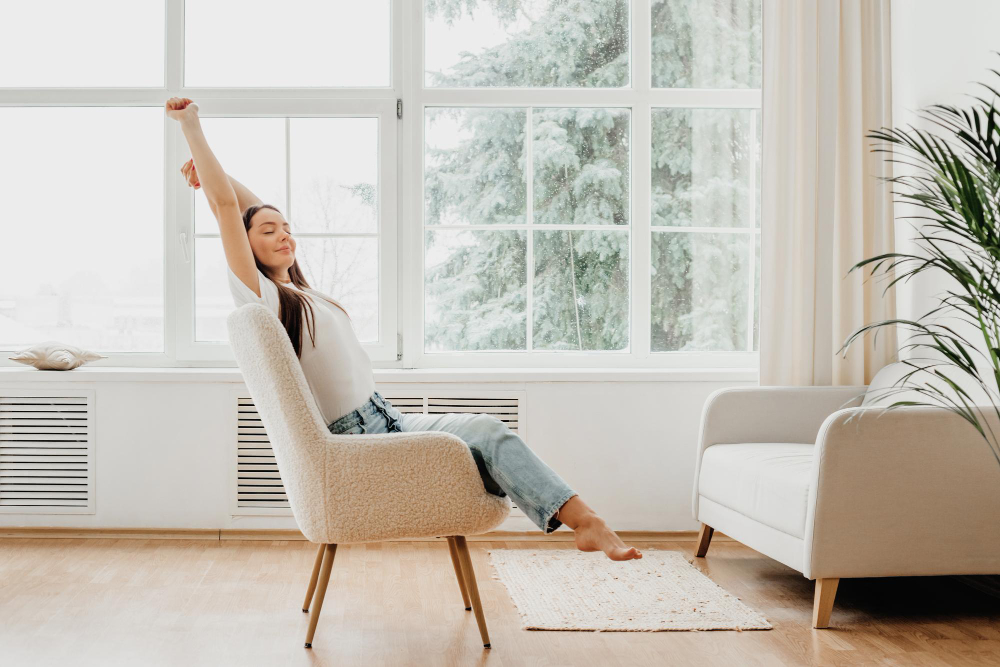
(829, 482)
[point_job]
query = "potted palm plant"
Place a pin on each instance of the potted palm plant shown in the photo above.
(951, 175)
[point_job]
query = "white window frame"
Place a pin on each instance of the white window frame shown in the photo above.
(401, 190)
(180, 348)
(640, 99)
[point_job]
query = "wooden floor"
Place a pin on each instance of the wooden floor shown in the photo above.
(76, 602)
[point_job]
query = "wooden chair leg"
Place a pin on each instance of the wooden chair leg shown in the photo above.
(704, 538)
(826, 591)
(470, 585)
(324, 580)
(314, 577)
(453, 550)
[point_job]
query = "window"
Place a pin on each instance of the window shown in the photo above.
(81, 253)
(569, 184)
(110, 249)
(332, 167)
(590, 183)
(567, 209)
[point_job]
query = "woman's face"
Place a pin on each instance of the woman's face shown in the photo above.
(271, 240)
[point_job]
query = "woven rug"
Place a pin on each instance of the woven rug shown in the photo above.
(576, 590)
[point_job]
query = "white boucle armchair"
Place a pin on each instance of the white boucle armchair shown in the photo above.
(359, 488)
(834, 486)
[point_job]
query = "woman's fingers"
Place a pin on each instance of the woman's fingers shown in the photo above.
(190, 173)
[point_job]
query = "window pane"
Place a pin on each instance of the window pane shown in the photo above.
(581, 290)
(286, 44)
(580, 159)
(344, 268)
(348, 270)
(704, 167)
(474, 166)
(68, 43)
(700, 291)
(82, 190)
(334, 174)
(475, 290)
(212, 299)
(706, 43)
(528, 43)
(251, 150)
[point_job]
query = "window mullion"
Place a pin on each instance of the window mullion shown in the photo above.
(175, 305)
(529, 172)
(752, 209)
(640, 180)
(173, 61)
(180, 273)
(288, 168)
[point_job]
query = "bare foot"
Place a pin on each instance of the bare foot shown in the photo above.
(593, 534)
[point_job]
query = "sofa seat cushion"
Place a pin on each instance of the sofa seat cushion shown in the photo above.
(766, 482)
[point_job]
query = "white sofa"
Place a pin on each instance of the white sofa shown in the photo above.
(832, 485)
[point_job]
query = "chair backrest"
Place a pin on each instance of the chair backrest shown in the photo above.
(299, 438)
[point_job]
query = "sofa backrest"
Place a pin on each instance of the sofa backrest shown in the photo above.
(887, 387)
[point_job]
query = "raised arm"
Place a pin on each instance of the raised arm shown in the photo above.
(218, 190)
(243, 194)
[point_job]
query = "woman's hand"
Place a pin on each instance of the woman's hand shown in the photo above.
(181, 108)
(191, 174)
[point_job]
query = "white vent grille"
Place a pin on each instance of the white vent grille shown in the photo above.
(46, 451)
(504, 409)
(258, 483)
(259, 489)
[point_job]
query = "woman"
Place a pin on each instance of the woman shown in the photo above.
(260, 253)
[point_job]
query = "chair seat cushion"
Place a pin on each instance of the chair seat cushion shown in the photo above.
(767, 482)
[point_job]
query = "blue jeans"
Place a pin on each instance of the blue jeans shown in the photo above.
(506, 464)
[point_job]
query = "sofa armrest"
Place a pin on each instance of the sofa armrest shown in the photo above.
(767, 414)
(908, 491)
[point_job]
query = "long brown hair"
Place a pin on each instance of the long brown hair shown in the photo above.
(290, 303)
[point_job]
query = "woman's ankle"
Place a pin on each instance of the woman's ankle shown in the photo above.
(576, 514)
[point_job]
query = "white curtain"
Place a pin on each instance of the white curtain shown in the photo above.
(826, 84)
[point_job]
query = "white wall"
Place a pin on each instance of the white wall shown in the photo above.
(939, 48)
(164, 449)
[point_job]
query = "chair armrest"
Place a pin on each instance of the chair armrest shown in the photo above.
(908, 491)
(767, 414)
(389, 485)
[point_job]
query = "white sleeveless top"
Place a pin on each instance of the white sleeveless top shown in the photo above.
(338, 369)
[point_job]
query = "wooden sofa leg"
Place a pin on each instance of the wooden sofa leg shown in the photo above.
(453, 550)
(314, 578)
(704, 538)
(324, 580)
(470, 585)
(826, 591)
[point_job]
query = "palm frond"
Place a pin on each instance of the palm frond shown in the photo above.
(951, 177)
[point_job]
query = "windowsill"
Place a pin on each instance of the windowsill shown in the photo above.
(394, 375)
